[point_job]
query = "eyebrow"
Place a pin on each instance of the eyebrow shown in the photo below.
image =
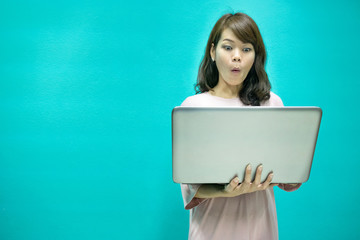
(226, 39)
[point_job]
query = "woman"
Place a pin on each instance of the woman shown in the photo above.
(232, 74)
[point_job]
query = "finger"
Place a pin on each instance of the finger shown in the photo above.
(269, 179)
(258, 175)
(267, 183)
(247, 178)
(232, 185)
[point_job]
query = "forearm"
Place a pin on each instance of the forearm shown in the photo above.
(210, 191)
(289, 187)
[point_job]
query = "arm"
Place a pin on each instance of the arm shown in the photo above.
(234, 188)
(276, 101)
(289, 187)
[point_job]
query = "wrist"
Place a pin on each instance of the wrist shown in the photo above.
(211, 191)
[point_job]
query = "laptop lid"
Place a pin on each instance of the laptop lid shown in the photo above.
(215, 144)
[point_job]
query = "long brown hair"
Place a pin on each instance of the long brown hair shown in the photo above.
(256, 86)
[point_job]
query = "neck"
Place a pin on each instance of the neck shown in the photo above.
(225, 90)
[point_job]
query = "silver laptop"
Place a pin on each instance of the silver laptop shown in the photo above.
(215, 144)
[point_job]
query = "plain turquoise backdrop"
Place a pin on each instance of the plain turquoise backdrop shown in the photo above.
(86, 93)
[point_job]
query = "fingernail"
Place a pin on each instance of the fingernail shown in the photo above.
(236, 180)
(260, 167)
(248, 166)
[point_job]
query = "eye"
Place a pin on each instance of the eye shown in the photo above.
(247, 49)
(227, 47)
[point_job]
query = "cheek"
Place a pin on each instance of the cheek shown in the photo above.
(250, 61)
(222, 61)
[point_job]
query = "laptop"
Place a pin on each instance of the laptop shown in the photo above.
(215, 144)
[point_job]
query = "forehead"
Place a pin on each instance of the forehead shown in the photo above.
(228, 34)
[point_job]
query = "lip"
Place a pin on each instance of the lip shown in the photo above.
(235, 70)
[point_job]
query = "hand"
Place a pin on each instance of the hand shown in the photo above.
(234, 188)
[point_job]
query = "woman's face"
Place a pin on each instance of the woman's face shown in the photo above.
(233, 58)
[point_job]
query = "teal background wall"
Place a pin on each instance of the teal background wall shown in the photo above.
(86, 92)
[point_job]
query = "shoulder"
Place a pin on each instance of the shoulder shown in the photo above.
(274, 100)
(196, 100)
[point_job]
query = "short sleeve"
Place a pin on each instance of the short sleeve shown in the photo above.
(274, 101)
(277, 100)
(187, 102)
(189, 191)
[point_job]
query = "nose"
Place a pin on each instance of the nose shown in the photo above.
(236, 57)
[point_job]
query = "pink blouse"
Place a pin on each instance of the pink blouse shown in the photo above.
(245, 217)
